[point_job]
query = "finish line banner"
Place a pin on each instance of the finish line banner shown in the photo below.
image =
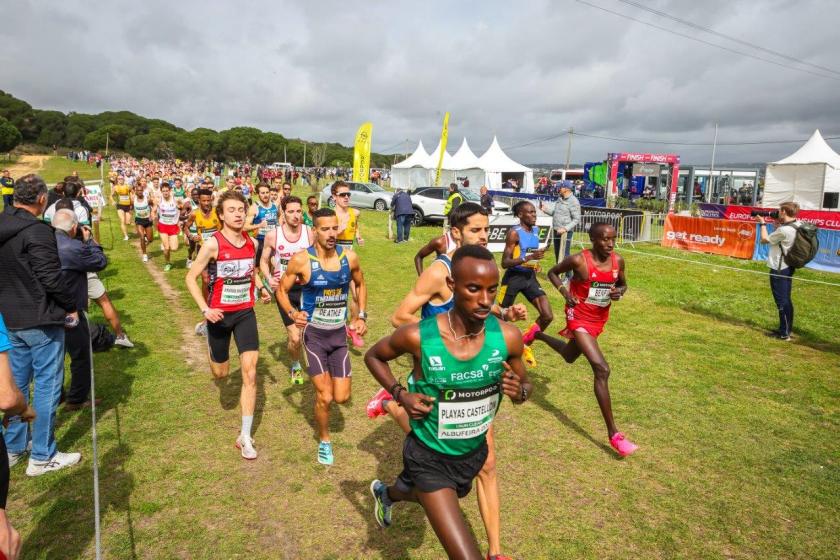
(821, 218)
(720, 237)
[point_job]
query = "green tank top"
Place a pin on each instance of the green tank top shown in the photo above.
(467, 392)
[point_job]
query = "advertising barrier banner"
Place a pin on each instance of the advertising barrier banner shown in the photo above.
(721, 237)
(630, 229)
(827, 259)
(820, 218)
(500, 225)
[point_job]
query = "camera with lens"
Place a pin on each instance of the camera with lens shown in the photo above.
(772, 214)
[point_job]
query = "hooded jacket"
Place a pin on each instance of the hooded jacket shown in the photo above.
(32, 292)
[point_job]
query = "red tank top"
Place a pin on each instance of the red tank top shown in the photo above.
(593, 294)
(232, 275)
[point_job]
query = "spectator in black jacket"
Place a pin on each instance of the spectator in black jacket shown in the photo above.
(78, 257)
(34, 304)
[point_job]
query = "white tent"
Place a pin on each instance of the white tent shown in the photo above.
(412, 171)
(804, 176)
(499, 167)
(466, 166)
(447, 175)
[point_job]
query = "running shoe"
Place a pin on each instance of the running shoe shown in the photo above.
(125, 238)
(246, 446)
(123, 341)
(528, 336)
(296, 376)
(623, 445)
(375, 406)
(528, 357)
(189, 263)
(167, 267)
(325, 453)
(357, 340)
(381, 503)
(14, 458)
(145, 258)
(498, 557)
(59, 461)
(201, 328)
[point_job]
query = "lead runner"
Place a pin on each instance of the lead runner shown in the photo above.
(463, 359)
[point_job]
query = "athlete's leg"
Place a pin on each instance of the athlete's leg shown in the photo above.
(164, 241)
(569, 350)
(444, 514)
(122, 215)
(589, 347)
(489, 501)
(173, 242)
(141, 232)
(354, 302)
(294, 342)
(546, 316)
(323, 399)
(341, 389)
(110, 313)
(248, 395)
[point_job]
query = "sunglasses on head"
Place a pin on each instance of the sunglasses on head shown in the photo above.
(347, 194)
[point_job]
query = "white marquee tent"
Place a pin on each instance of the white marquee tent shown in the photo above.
(466, 166)
(804, 176)
(498, 167)
(411, 172)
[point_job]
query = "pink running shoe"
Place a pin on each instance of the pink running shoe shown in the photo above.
(623, 445)
(375, 405)
(357, 340)
(528, 336)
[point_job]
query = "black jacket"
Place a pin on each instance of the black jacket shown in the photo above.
(77, 259)
(32, 291)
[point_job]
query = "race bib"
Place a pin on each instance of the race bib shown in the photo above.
(599, 294)
(124, 199)
(330, 309)
(142, 213)
(169, 216)
(207, 234)
(535, 265)
(467, 413)
(236, 291)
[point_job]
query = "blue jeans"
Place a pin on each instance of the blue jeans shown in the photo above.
(567, 250)
(37, 356)
(404, 226)
(781, 283)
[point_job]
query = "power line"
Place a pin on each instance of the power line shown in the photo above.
(722, 47)
(725, 36)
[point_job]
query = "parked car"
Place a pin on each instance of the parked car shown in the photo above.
(362, 195)
(428, 203)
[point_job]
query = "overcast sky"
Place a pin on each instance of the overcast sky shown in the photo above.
(521, 70)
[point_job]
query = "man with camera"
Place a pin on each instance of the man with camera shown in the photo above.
(781, 273)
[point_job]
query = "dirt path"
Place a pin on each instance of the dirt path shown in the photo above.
(27, 164)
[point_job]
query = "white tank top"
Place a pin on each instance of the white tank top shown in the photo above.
(450, 243)
(168, 212)
(284, 249)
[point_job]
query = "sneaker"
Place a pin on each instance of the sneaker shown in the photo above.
(785, 337)
(189, 263)
(528, 357)
(498, 557)
(246, 445)
(123, 341)
(375, 406)
(381, 503)
(296, 375)
(59, 461)
(623, 445)
(125, 238)
(528, 336)
(14, 458)
(325, 453)
(145, 258)
(201, 328)
(357, 340)
(167, 267)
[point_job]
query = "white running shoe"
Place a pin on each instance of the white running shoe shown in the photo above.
(189, 263)
(14, 458)
(201, 328)
(59, 461)
(125, 238)
(246, 446)
(145, 258)
(123, 341)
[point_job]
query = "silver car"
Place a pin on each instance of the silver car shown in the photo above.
(362, 195)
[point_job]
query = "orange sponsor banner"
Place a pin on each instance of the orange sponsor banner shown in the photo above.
(721, 237)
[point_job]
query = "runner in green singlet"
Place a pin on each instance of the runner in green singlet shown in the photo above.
(464, 360)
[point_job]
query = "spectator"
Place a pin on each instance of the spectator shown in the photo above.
(454, 200)
(566, 217)
(78, 258)
(12, 403)
(781, 274)
(403, 214)
(7, 187)
(486, 199)
(34, 305)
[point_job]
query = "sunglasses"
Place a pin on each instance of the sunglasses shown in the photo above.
(347, 194)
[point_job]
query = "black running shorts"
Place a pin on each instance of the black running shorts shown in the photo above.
(242, 325)
(326, 351)
(294, 298)
(429, 471)
(515, 282)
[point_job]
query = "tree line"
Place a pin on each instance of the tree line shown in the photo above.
(142, 137)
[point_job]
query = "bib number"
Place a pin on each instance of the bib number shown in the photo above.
(599, 294)
(235, 292)
(467, 413)
(330, 309)
(207, 234)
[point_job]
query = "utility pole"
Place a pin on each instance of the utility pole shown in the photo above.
(284, 154)
(304, 154)
(569, 148)
(711, 185)
(107, 138)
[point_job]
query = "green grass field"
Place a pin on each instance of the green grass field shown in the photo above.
(736, 430)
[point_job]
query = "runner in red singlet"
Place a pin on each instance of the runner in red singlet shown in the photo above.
(597, 281)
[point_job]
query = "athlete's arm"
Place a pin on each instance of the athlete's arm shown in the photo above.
(511, 241)
(298, 265)
(573, 263)
(515, 382)
(426, 287)
(359, 239)
(209, 250)
(265, 259)
(516, 312)
(436, 245)
(405, 340)
(621, 282)
(249, 219)
(361, 290)
(187, 223)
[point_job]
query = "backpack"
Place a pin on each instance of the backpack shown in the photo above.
(101, 338)
(805, 245)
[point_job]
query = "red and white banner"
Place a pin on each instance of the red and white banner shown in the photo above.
(721, 237)
(821, 218)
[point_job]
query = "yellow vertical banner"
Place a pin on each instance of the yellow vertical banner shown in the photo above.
(444, 135)
(361, 154)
